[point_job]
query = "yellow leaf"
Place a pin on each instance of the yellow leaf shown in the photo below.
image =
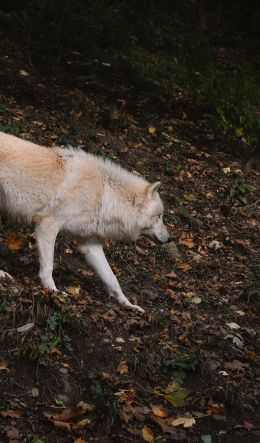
(184, 266)
(190, 197)
(196, 300)
(13, 243)
(126, 395)
(152, 130)
(74, 290)
(159, 412)
(147, 434)
(186, 422)
(226, 170)
(239, 132)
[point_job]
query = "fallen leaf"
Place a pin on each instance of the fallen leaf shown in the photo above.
(25, 327)
(226, 170)
(74, 290)
(190, 197)
(175, 394)
(159, 411)
(122, 368)
(172, 274)
(236, 365)
(224, 373)
(216, 409)
(147, 434)
(186, 422)
(187, 242)
(196, 300)
(35, 392)
(165, 425)
(80, 440)
(10, 413)
(68, 414)
(13, 434)
(3, 367)
(81, 424)
(233, 325)
(152, 130)
(206, 438)
(13, 243)
(241, 313)
(248, 426)
(24, 73)
(126, 395)
(184, 266)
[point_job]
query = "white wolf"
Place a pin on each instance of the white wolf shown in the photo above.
(82, 195)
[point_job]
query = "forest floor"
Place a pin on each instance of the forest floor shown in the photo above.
(82, 369)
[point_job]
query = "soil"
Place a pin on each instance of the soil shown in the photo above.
(199, 336)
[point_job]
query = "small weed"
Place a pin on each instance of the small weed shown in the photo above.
(238, 192)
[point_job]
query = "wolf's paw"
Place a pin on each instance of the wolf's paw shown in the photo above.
(136, 308)
(4, 274)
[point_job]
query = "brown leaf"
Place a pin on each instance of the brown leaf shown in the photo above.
(147, 434)
(126, 395)
(62, 425)
(81, 424)
(13, 243)
(216, 409)
(248, 426)
(122, 368)
(80, 440)
(165, 425)
(3, 367)
(172, 274)
(68, 414)
(184, 266)
(159, 411)
(236, 365)
(10, 413)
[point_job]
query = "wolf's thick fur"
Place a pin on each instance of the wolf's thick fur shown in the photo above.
(83, 195)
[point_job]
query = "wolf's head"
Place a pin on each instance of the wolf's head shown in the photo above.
(152, 215)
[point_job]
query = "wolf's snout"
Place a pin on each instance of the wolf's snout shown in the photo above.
(162, 238)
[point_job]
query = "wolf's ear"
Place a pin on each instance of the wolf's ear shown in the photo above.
(152, 188)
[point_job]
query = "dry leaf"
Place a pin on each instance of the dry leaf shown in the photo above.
(248, 426)
(186, 422)
(175, 394)
(10, 413)
(196, 300)
(13, 243)
(147, 434)
(81, 424)
(226, 170)
(233, 325)
(152, 130)
(74, 290)
(216, 409)
(25, 327)
(3, 367)
(172, 274)
(24, 73)
(159, 411)
(80, 440)
(126, 395)
(190, 197)
(184, 266)
(122, 368)
(187, 242)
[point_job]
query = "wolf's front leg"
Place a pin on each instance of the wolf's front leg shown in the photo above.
(96, 258)
(46, 232)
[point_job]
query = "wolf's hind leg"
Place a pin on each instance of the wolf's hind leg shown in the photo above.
(46, 231)
(96, 258)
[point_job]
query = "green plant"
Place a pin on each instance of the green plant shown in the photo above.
(238, 192)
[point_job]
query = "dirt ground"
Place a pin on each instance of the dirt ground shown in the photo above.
(80, 369)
